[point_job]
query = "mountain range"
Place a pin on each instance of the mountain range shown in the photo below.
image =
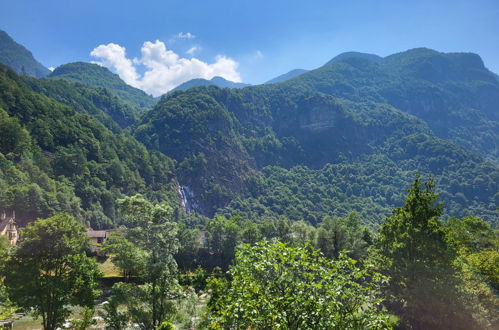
(215, 81)
(306, 145)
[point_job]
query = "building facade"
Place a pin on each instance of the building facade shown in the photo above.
(8, 227)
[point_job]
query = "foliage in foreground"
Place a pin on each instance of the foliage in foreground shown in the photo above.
(430, 285)
(154, 235)
(49, 270)
(277, 286)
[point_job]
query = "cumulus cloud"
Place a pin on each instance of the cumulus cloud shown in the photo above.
(114, 56)
(52, 68)
(164, 69)
(186, 35)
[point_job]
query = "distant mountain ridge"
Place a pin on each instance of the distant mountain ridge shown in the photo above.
(19, 58)
(370, 57)
(94, 75)
(215, 81)
(346, 136)
(359, 117)
(289, 75)
(453, 92)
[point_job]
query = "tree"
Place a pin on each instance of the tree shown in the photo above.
(223, 235)
(471, 234)
(478, 262)
(151, 231)
(302, 233)
(277, 286)
(411, 248)
(337, 234)
(49, 270)
(127, 256)
(5, 304)
(4, 247)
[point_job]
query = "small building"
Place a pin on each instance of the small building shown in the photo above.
(8, 228)
(99, 236)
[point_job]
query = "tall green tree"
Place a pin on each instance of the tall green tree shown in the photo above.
(223, 235)
(151, 230)
(49, 270)
(276, 286)
(337, 234)
(411, 248)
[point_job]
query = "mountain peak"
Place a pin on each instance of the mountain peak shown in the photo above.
(217, 81)
(94, 75)
(20, 59)
(342, 56)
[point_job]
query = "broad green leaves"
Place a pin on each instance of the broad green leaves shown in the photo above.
(49, 270)
(277, 286)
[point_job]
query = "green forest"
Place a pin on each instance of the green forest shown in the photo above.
(360, 195)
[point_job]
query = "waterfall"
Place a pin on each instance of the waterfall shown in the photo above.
(186, 197)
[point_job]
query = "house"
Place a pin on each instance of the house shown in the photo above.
(8, 227)
(98, 237)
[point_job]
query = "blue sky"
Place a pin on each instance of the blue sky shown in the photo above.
(262, 38)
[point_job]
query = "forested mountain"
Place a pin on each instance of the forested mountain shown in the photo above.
(286, 76)
(354, 150)
(94, 75)
(99, 102)
(361, 195)
(19, 58)
(347, 136)
(55, 159)
(453, 93)
(215, 81)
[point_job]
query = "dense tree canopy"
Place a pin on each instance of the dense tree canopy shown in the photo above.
(276, 286)
(49, 270)
(56, 159)
(152, 239)
(412, 249)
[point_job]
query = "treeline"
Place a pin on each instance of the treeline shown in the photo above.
(415, 272)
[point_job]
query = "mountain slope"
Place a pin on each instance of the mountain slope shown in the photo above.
(94, 75)
(95, 101)
(55, 159)
(215, 81)
(369, 57)
(230, 145)
(453, 93)
(286, 76)
(19, 58)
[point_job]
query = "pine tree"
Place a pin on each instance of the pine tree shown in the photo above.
(412, 249)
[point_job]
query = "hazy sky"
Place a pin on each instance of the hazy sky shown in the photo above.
(251, 41)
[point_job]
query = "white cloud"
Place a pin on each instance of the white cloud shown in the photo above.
(186, 35)
(114, 56)
(164, 69)
(193, 50)
(51, 68)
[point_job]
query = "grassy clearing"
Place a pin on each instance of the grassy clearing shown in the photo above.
(107, 267)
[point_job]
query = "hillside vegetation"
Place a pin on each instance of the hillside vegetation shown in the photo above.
(94, 75)
(336, 139)
(19, 58)
(57, 159)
